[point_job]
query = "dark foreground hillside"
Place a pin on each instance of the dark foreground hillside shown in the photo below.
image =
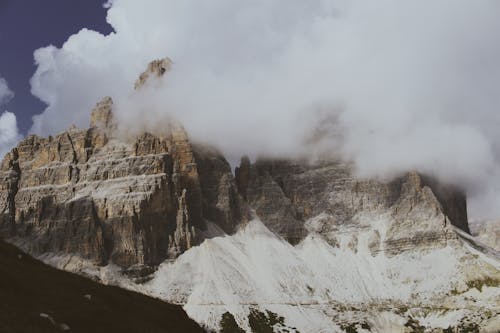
(37, 298)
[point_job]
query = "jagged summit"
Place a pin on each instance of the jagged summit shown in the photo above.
(102, 115)
(156, 68)
(90, 193)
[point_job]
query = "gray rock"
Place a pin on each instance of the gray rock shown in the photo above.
(296, 197)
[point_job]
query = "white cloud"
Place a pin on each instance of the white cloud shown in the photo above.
(9, 134)
(395, 85)
(5, 93)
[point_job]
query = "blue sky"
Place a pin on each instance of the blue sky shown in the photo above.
(26, 25)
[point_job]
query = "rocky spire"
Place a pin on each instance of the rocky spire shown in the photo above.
(102, 115)
(242, 176)
(102, 124)
(156, 68)
(185, 234)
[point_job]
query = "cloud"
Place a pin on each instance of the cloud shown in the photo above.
(389, 85)
(5, 93)
(108, 4)
(9, 134)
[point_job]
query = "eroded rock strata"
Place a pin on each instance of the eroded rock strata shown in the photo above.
(133, 202)
(294, 198)
(140, 201)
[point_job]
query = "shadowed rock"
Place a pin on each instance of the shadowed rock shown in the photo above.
(297, 197)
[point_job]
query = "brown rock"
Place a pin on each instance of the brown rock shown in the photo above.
(102, 115)
(88, 193)
(156, 68)
(185, 234)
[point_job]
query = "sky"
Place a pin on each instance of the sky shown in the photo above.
(26, 25)
(389, 86)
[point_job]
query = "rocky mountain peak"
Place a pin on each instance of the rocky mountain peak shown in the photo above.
(102, 115)
(133, 202)
(156, 68)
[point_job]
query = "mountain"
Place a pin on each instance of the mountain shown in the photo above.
(283, 245)
(133, 203)
(38, 298)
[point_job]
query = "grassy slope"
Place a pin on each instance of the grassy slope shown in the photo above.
(29, 287)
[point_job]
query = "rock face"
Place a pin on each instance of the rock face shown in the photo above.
(140, 201)
(129, 203)
(156, 68)
(294, 198)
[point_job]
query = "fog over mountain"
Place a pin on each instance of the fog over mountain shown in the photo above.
(390, 86)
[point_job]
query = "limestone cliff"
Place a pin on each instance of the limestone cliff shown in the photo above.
(294, 198)
(132, 202)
